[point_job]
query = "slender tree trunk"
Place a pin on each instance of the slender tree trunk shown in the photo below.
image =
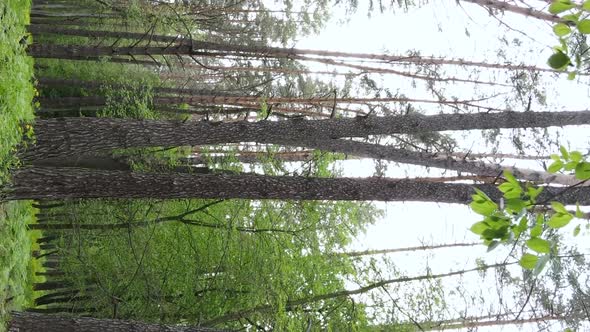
(505, 6)
(68, 183)
(483, 323)
(78, 136)
(51, 285)
(50, 273)
(34, 322)
(408, 249)
(345, 293)
(443, 161)
(197, 48)
(196, 97)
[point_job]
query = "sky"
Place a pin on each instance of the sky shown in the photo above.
(442, 28)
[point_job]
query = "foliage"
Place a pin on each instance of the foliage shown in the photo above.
(574, 20)
(515, 218)
(206, 262)
(132, 101)
(16, 89)
(17, 270)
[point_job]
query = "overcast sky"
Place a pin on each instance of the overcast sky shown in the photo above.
(442, 28)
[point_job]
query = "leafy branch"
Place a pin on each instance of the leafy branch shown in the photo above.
(515, 218)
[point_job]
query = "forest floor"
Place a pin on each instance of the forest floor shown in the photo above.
(16, 95)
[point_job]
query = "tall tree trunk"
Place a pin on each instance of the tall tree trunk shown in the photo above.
(197, 48)
(68, 183)
(34, 322)
(443, 161)
(475, 324)
(78, 136)
(408, 249)
(505, 6)
(344, 293)
(208, 97)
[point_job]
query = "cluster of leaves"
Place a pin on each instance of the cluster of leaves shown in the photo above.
(129, 102)
(515, 218)
(574, 18)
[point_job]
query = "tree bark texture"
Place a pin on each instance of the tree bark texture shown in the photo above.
(70, 183)
(35, 322)
(194, 47)
(78, 136)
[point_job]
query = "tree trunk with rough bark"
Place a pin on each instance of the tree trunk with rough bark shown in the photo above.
(69, 183)
(35, 322)
(79, 136)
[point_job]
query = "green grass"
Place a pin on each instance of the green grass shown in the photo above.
(16, 89)
(16, 110)
(16, 267)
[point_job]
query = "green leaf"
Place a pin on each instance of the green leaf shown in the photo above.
(484, 208)
(564, 152)
(493, 245)
(541, 264)
(560, 6)
(571, 76)
(537, 230)
(577, 230)
(510, 178)
(576, 156)
(534, 192)
(559, 220)
(539, 245)
(561, 29)
(495, 233)
(555, 157)
(571, 165)
(515, 204)
(528, 261)
(521, 227)
(583, 171)
(586, 5)
(584, 26)
(558, 60)
(479, 227)
(555, 166)
(558, 207)
(506, 187)
(571, 17)
(579, 213)
(482, 194)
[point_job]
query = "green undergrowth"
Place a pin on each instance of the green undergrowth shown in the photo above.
(17, 270)
(16, 88)
(16, 115)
